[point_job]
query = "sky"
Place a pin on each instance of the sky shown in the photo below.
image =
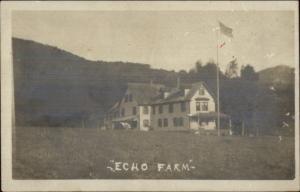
(171, 40)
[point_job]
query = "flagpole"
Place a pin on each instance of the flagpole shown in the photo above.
(218, 85)
(228, 32)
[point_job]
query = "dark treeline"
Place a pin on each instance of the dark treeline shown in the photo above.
(262, 103)
(56, 88)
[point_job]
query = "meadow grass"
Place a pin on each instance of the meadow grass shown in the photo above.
(77, 153)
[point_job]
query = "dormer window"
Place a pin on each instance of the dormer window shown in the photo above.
(166, 94)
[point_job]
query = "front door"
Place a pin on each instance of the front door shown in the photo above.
(133, 124)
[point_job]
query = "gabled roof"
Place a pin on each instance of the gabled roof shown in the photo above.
(114, 107)
(177, 95)
(151, 94)
(209, 115)
(195, 87)
(143, 93)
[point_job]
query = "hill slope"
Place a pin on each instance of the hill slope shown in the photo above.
(55, 86)
(280, 74)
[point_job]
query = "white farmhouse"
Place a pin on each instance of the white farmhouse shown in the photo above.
(133, 110)
(149, 106)
(183, 109)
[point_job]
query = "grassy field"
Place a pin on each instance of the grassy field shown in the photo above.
(76, 153)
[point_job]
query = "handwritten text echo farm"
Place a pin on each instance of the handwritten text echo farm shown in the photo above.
(118, 166)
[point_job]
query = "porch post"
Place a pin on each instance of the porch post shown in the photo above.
(199, 124)
(198, 121)
(189, 122)
(230, 126)
(243, 128)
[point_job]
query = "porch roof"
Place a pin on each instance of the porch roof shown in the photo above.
(127, 118)
(209, 115)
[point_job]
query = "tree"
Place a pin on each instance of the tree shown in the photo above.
(237, 99)
(198, 66)
(248, 73)
(232, 69)
(182, 73)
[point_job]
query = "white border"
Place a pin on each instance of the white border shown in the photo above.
(129, 185)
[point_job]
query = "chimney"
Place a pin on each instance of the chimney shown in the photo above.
(166, 94)
(178, 82)
(186, 91)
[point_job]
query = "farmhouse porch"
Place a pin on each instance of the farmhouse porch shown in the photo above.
(207, 120)
(129, 122)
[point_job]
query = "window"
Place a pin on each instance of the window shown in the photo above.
(123, 112)
(145, 110)
(159, 122)
(178, 121)
(165, 122)
(175, 122)
(160, 109)
(126, 98)
(183, 107)
(146, 123)
(198, 106)
(130, 97)
(171, 108)
(201, 91)
(204, 106)
(134, 110)
(134, 124)
(201, 106)
(153, 110)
